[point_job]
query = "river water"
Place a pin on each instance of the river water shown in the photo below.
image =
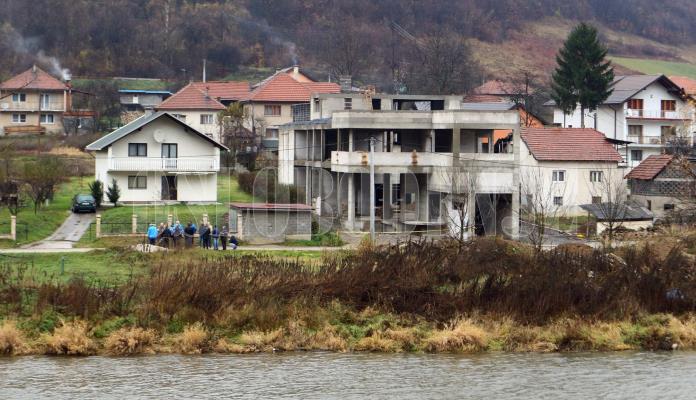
(625, 375)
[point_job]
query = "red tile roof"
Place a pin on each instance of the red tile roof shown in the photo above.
(686, 83)
(281, 87)
(191, 98)
(650, 167)
(483, 98)
(225, 90)
(569, 144)
(33, 79)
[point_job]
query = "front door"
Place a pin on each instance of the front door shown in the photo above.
(169, 187)
(169, 155)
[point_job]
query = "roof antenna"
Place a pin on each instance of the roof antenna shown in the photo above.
(204, 70)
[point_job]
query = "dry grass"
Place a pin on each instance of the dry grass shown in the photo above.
(684, 331)
(225, 346)
(328, 339)
(12, 340)
(71, 338)
(378, 342)
(68, 151)
(260, 340)
(193, 340)
(130, 341)
(459, 336)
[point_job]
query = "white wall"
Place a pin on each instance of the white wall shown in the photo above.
(575, 190)
(193, 118)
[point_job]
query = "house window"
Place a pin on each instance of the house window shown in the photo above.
(317, 106)
(668, 105)
(180, 117)
(596, 199)
(636, 155)
(45, 100)
(206, 119)
(558, 176)
(595, 176)
(137, 149)
(271, 110)
(135, 99)
(558, 201)
(19, 118)
(347, 103)
(635, 133)
(19, 97)
(46, 118)
(137, 182)
(635, 104)
(668, 206)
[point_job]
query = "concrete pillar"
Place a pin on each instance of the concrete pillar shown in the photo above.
(337, 186)
(456, 140)
(386, 202)
(471, 212)
(422, 197)
(134, 223)
(390, 144)
(351, 201)
(308, 188)
(515, 212)
(338, 140)
(431, 148)
(97, 226)
(385, 140)
(350, 140)
(490, 142)
(322, 141)
(13, 227)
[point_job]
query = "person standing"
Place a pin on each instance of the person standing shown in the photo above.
(205, 236)
(189, 231)
(152, 234)
(216, 237)
(223, 237)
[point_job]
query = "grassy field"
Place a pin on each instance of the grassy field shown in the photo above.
(648, 66)
(32, 227)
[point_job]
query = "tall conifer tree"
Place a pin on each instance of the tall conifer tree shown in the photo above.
(583, 74)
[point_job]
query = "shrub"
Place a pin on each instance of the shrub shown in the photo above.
(12, 340)
(113, 192)
(129, 341)
(193, 340)
(459, 336)
(70, 339)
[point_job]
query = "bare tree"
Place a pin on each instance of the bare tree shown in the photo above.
(540, 193)
(610, 190)
(463, 186)
(232, 131)
(41, 177)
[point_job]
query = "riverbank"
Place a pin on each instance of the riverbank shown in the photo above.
(485, 295)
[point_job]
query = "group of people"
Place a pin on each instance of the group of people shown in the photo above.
(175, 234)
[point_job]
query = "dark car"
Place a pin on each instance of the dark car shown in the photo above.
(84, 203)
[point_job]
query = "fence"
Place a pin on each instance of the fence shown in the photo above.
(14, 230)
(99, 229)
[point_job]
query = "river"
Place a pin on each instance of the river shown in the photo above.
(624, 375)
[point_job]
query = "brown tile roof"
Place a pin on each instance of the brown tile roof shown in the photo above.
(225, 90)
(283, 88)
(569, 144)
(191, 98)
(686, 83)
(33, 79)
(650, 167)
(483, 98)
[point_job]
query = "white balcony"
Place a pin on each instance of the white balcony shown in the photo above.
(146, 164)
(32, 106)
(655, 114)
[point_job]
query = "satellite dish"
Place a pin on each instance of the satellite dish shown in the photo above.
(4, 106)
(159, 135)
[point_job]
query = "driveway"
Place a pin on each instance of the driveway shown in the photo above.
(552, 237)
(66, 235)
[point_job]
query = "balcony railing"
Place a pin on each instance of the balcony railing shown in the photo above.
(655, 114)
(31, 106)
(184, 164)
(407, 159)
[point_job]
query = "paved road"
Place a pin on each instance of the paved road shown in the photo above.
(66, 235)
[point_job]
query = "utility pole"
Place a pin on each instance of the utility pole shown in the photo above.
(372, 188)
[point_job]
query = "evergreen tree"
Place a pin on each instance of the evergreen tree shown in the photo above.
(583, 74)
(97, 190)
(113, 192)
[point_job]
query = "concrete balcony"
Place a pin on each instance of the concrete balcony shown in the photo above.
(147, 164)
(395, 162)
(31, 106)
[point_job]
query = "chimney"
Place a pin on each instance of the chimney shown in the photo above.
(296, 70)
(346, 83)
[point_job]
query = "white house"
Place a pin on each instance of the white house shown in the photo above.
(158, 157)
(645, 110)
(563, 168)
(426, 148)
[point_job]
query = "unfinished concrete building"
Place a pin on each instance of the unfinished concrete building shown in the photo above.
(440, 165)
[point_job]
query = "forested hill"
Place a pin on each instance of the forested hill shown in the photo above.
(376, 41)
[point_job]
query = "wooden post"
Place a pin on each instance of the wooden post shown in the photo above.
(13, 227)
(97, 227)
(134, 223)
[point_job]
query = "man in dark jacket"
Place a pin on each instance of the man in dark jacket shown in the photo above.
(189, 231)
(205, 236)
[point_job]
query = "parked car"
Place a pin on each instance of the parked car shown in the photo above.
(84, 203)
